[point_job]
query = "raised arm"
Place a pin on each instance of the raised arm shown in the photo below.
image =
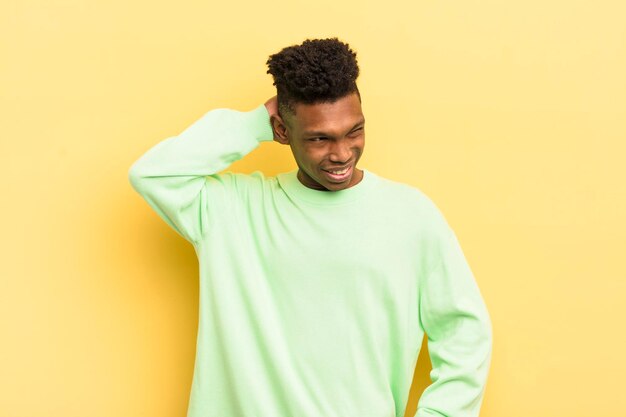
(178, 176)
(459, 332)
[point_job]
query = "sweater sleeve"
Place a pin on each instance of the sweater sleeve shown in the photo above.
(178, 176)
(459, 335)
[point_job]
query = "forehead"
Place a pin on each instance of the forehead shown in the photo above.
(338, 115)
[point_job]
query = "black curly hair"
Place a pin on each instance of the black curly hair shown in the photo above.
(318, 70)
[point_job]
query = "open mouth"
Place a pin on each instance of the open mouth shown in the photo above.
(339, 174)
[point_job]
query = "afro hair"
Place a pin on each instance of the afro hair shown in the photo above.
(318, 70)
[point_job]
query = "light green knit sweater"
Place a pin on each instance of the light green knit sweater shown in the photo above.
(314, 303)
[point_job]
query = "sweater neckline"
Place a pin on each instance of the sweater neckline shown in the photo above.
(294, 188)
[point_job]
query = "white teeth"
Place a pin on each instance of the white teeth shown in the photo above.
(339, 172)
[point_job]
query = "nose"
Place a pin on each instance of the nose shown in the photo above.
(339, 152)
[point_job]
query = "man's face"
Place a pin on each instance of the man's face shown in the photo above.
(327, 141)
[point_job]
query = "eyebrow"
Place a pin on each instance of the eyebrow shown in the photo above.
(319, 133)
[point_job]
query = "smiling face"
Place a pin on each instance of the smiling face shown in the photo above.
(327, 141)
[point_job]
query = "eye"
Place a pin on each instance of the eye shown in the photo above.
(356, 131)
(317, 139)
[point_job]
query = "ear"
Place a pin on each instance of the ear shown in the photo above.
(280, 129)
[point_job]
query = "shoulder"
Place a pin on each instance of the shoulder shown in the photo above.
(412, 204)
(401, 190)
(406, 195)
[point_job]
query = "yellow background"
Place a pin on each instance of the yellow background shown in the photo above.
(510, 115)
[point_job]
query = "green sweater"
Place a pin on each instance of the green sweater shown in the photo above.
(315, 303)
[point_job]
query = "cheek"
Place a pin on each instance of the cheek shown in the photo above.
(312, 155)
(300, 153)
(305, 159)
(360, 146)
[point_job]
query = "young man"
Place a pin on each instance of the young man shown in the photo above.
(317, 285)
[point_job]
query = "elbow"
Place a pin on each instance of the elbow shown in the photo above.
(487, 325)
(487, 331)
(483, 334)
(487, 328)
(135, 176)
